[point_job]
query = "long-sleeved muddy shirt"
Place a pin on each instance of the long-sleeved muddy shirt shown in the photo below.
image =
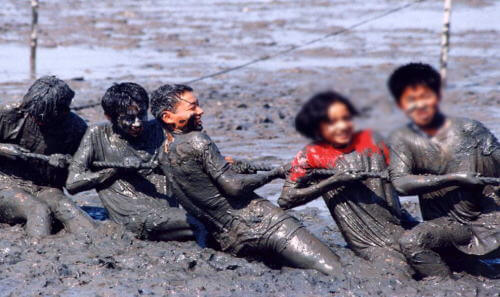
(194, 166)
(367, 212)
(461, 145)
(18, 127)
(131, 198)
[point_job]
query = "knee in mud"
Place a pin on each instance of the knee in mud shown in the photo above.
(51, 196)
(40, 210)
(410, 241)
(66, 210)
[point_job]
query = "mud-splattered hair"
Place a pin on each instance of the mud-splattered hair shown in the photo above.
(315, 111)
(166, 98)
(411, 75)
(119, 97)
(47, 97)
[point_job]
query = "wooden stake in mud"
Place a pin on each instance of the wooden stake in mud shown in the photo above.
(445, 40)
(33, 37)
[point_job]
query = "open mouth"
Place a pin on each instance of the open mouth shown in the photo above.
(344, 135)
(198, 121)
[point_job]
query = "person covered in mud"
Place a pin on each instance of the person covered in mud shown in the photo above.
(362, 202)
(444, 160)
(136, 198)
(241, 222)
(31, 188)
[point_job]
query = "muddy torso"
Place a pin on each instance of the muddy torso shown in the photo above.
(461, 145)
(194, 162)
(19, 128)
(130, 194)
(366, 212)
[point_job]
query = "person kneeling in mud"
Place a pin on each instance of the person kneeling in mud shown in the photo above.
(207, 186)
(137, 198)
(363, 204)
(440, 159)
(31, 188)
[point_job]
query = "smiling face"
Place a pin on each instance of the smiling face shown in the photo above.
(131, 123)
(339, 128)
(420, 103)
(186, 115)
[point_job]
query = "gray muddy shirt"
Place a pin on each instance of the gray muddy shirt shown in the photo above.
(461, 145)
(195, 162)
(367, 212)
(129, 196)
(193, 165)
(18, 127)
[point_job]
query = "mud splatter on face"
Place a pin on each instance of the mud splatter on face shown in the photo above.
(132, 122)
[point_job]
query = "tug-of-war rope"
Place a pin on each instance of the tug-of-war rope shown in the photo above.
(290, 48)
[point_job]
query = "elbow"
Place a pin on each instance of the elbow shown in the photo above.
(231, 186)
(234, 191)
(72, 188)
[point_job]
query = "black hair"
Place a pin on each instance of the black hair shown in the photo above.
(411, 75)
(47, 97)
(166, 98)
(120, 96)
(314, 111)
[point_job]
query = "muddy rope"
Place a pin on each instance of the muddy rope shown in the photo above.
(288, 49)
(150, 165)
(96, 164)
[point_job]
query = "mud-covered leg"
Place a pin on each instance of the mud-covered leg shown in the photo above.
(388, 262)
(303, 250)
(17, 205)
(173, 224)
(75, 220)
(418, 244)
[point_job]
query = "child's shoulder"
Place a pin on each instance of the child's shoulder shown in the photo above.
(467, 125)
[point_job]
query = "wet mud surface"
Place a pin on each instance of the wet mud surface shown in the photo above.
(249, 113)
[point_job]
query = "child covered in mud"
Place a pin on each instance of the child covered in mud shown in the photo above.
(441, 158)
(137, 198)
(362, 202)
(31, 188)
(207, 186)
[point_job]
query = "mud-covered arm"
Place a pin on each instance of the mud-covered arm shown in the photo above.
(403, 177)
(11, 122)
(492, 146)
(293, 195)
(81, 177)
(230, 182)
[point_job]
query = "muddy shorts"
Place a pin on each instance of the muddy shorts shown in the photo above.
(259, 226)
(148, 222)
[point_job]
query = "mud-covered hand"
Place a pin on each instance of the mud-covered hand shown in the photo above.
(59, 160)
(350, 176)
(242, 166)
(132, 163)
(282, 171)
(13, 151)
(467, 179)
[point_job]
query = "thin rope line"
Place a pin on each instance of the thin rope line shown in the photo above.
(289, 49)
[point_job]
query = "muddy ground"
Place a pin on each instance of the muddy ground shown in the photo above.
(248, 112)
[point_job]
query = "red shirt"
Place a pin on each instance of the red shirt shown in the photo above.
(324, 155)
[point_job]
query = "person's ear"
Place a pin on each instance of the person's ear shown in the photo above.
(168, 118)
(399, 104)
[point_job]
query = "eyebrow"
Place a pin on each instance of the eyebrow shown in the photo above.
(190, 103)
